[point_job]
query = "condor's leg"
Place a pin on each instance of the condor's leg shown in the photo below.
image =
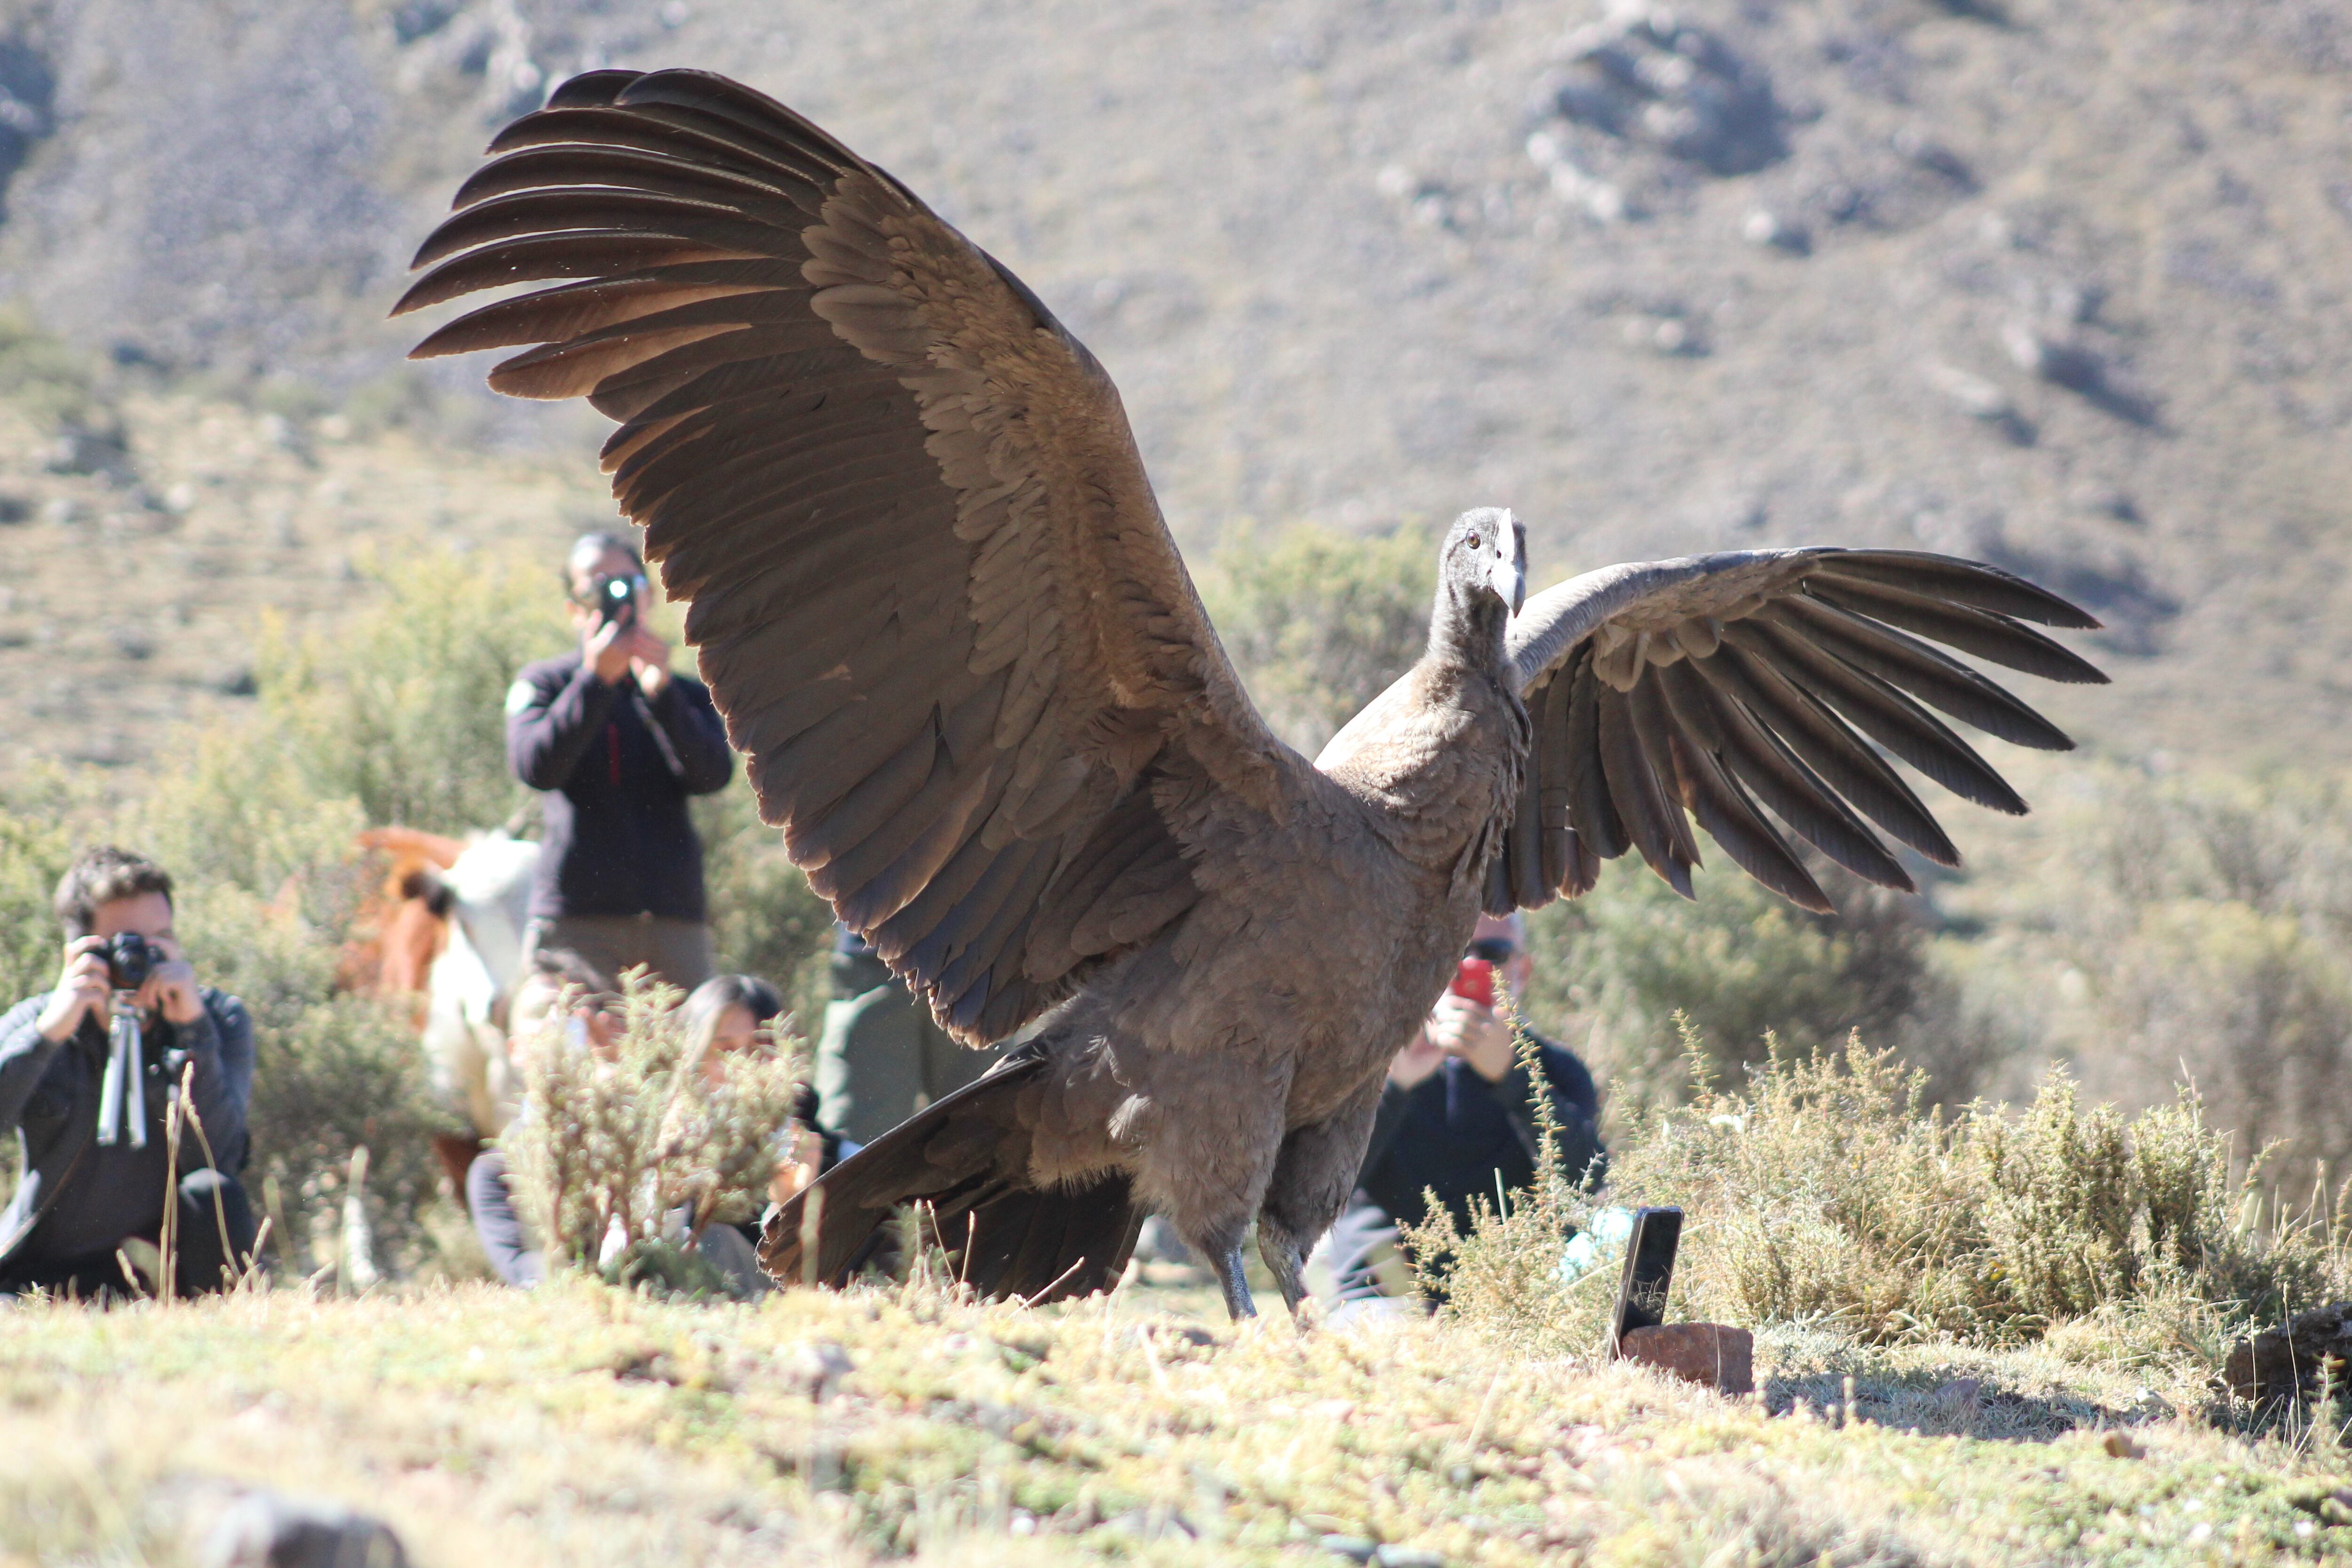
(1313, 1177)
(1215, 1129)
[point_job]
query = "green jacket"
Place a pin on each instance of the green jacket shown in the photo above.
(882, 1058)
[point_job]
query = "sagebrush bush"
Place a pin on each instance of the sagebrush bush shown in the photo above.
(620, 1142)
(1825, 1192)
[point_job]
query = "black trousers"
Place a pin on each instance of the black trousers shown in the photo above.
(215, 1242)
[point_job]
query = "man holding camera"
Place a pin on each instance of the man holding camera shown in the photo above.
(89, 1075)
(619, 744)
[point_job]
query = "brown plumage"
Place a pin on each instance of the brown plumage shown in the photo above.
(934, 597)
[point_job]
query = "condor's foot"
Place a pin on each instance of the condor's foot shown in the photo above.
(1228, 1264)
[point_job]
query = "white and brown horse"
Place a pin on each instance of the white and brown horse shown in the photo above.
(448, 928)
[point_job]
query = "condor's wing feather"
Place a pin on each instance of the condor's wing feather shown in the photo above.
(1727, 685)
(929, 584)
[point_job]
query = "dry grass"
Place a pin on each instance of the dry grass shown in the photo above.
(583, 1426)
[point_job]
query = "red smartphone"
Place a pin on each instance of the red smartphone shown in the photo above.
(1474, 982)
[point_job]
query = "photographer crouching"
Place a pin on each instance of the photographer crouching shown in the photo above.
(88, 1073)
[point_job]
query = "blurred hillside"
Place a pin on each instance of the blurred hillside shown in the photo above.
(2058, 285)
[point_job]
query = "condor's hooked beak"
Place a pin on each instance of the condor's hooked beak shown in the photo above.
(1508, 575)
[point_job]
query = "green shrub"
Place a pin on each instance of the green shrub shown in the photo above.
(621, 1142)
(1826, 1193)
(403, 708)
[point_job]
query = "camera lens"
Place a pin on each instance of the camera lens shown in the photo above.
(130, 959)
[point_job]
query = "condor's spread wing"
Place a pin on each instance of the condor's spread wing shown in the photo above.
(1727, 686)
(931, 587)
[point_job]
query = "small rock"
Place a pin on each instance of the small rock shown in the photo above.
(2277, 1364)
(2054, 360)
(267, 1529)
(1354, 1548)
(1710, 1355)
(1407, 1557)
(1767, 229)
(648, 1366)
(1972, 395)
(1962, 1396)
(98, 448)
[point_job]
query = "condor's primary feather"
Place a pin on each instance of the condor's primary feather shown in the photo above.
(933, 595)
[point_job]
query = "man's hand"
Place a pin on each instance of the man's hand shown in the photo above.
(648, 660)
(798, 1168)
(1420, 1058)
(81, 990)
(604, 648)
(171, 988)
(1460, 1028)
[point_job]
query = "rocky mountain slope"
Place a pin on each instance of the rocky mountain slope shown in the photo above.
(2061, 285)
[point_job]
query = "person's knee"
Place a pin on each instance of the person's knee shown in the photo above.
(215, 1238)
(208, 1187)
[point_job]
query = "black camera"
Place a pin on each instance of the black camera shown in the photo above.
(130, 959)
(617, 599)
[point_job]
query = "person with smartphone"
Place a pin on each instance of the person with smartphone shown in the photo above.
(620, 743)
(89, 1071)
(1457, 1118)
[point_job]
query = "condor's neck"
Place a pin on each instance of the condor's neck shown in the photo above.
(1466, 629)
(1436, 748)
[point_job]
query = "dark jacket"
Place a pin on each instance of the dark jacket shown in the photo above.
(618, 771)
(1456, 1134)
(79, 1197)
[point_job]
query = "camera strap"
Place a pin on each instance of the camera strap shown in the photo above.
(652, 728)
(124, 1087)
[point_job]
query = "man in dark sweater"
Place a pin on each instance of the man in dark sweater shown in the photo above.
(1457, 1118)
(86, 1075)
(619, 744)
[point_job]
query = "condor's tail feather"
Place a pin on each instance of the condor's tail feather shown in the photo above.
(965, 1159)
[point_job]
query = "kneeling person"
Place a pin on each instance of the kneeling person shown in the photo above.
(88, 1073)
(1457, 1118)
